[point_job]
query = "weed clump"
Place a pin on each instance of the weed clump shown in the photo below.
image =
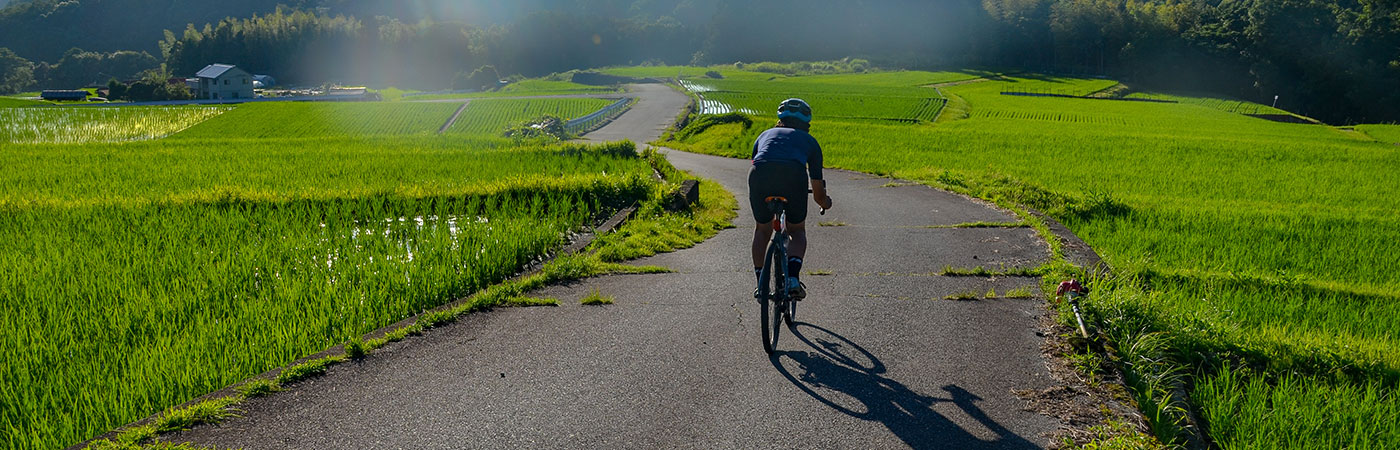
(596, 298)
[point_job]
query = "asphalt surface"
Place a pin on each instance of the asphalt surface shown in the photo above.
(878, 358)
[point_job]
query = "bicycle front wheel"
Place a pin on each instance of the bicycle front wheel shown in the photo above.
(790, 314)
(774, 305)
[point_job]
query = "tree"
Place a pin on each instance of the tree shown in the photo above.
(16, 73)
(116, 90)
(483, 78)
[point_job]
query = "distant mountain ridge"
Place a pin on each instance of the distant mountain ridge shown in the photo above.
(43, 30)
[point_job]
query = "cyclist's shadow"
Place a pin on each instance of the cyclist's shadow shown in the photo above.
(839, 365)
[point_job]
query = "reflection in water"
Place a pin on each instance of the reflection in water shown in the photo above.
(844, 376)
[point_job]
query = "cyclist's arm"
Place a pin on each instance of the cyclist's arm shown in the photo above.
(814, 170)
(819, 194)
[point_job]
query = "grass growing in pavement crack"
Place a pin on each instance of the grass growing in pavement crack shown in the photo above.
(963, 296)
(979, 271)
(831, 224)
(595, 297)
(524, 301)
(1020, 292)
(652, 230)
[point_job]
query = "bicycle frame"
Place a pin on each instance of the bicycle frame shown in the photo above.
(775, 270)
(778, 244)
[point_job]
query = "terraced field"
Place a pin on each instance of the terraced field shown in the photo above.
(491, 116)
(1255, 265)
(842, 106)
(886, 96)
(1383, 133)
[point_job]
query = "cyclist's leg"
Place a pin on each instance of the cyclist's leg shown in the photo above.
(760, 188)
(797, 243)
(762, 232)
(795, 184)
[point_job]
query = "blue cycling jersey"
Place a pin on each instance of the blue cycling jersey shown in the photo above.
(792, 145)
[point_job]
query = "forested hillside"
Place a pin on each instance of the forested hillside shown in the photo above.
(1338, 60)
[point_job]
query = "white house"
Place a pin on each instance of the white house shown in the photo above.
(223, 81)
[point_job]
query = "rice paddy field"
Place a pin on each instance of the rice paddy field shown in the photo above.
(531, 87)
(1383, 133)
(490, 116)
(482, 117)
(1256, 265)
(99, 124)
(138, 275)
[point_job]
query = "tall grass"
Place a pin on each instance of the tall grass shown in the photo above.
(1259, 250)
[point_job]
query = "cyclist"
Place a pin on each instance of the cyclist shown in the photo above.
(784, 158)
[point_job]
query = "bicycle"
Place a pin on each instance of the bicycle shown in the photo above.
(784, 307)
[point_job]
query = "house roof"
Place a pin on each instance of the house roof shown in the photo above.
(213, 70)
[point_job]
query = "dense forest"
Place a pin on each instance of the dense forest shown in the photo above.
(1338, 60)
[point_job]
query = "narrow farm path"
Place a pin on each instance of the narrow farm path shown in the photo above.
(878, 360)
(453, 119)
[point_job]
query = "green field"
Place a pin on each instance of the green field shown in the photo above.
(482, 117)
(318, 119)
(10, 102)
(1255, 262)
(98, 124)
(530, 87)
(1383, 133)
(140, 275)
(881, 96)
(490, 116)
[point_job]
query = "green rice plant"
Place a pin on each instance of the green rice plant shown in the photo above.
(836, 106)
(264, 120)
(899, 78)
(492, 116)
(178, 270)
(11, 102)
(552, 87)
(1244, 410)
(78, 125)
(1384, 133)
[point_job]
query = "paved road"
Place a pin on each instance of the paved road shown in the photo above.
(878, 359)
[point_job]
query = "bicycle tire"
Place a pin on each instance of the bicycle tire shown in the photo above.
(772, 320)
(791, 315)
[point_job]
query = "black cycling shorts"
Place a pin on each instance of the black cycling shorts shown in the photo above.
(787, 180)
